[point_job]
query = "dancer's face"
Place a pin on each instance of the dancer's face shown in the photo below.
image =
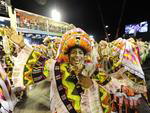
(76, 56)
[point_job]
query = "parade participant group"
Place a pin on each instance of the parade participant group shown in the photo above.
(85, 76)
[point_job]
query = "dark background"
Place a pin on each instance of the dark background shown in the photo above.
(93, 15)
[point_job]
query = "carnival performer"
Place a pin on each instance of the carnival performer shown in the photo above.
(124, 53)
(8, 99)
(76, 85)
(25, 71)
(52, 45)
(144, 51)
(49, 47)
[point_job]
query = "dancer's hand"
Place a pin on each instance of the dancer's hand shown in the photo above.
(14, 36)
(85, 81)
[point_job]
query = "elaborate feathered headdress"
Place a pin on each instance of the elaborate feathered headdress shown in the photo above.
(74, 38)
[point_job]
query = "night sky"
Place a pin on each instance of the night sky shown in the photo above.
(92, 15)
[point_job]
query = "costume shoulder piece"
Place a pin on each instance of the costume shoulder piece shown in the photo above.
(20, 62)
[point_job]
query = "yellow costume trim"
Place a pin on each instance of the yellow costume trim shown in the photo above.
(46, 68)
(101, 76)
(70, 87)
(105, 99)
(29, 67)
